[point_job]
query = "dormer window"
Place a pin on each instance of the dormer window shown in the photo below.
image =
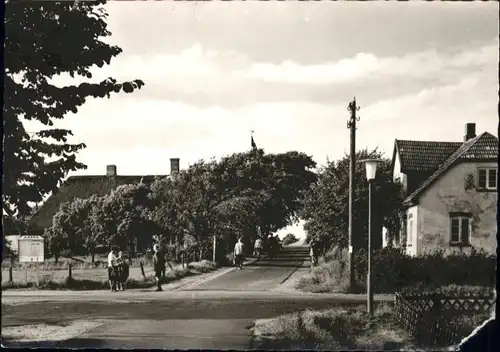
(487, 178)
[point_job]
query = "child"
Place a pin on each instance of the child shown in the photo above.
(123, 272)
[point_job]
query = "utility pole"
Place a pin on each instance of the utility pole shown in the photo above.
(351, 124)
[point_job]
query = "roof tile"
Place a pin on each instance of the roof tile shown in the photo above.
(424, 155)
(484, 146)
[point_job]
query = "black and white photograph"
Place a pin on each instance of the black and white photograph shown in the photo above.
(250, 175)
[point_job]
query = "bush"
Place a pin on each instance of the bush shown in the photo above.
(289, 239)
(329, 276)
(394, 271)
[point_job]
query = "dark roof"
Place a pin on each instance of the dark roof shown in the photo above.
(424, 155)
(483, 147)
(80, 187)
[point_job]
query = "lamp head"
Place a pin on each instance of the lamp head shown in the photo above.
(371, 168)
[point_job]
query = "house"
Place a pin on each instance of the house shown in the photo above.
(450, 193)
(84, 187)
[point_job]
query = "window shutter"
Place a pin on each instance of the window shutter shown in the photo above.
(464, 231)
(482, 179)
(455, 227)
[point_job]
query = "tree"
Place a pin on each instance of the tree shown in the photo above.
(326, 203)
(281, 177)
(43, 41)
(61, 235)
(124, 215)
(232, 196)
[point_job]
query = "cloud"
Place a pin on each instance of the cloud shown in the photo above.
(205, 77)
(367, 66)
(138, 134)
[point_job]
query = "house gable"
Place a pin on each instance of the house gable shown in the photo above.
(415, 161)
(483, 147)
(424, 156)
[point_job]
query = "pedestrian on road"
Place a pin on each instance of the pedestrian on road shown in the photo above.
(123, 272)
(273, 246)
(238, 254)
(258, 247)
(314, 250)
(112, 269)
(159, 266)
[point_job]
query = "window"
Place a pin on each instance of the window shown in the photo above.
(460, 229)
(487, 178)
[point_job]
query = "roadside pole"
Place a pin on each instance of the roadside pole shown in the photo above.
(214, 249)
(351, 124)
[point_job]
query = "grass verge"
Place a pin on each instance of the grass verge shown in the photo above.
(333, 329)
(329, 276)
(178, 272)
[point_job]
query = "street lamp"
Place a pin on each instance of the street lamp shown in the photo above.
(371, 171)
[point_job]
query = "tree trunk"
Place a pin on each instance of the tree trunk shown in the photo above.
(56, 257)
(93, 257)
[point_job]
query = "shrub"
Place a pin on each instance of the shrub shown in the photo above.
(329, 276)
(393, 271)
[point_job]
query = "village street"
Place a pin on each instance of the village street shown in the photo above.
(213, 314)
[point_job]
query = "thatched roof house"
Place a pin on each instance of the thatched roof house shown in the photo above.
(84, 187)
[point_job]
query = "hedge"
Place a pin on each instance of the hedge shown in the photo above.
(392, 270)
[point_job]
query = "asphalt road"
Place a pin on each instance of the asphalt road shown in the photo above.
(215, 314)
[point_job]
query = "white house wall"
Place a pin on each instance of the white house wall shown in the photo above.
(448, 194)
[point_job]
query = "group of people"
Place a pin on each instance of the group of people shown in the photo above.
(118, 270)
(272, 246)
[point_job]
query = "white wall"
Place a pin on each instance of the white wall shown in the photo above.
(412, 231)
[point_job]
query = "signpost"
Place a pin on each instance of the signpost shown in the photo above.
(31, 250)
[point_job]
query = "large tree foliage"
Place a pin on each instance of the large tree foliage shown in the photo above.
(226, 198)
(120, 218)
(326, 203)
(124, 216)
(233, 196)
(42, 41)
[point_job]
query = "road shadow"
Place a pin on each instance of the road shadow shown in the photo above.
(275, 265)
(10, 343)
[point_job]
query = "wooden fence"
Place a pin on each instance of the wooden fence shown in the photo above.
(436, 320)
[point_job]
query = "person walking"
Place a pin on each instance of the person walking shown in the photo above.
(238, 254)
(123, 271)
(273, 246)
(314, 249)
(258, 247)
(159, 266)
(112, 269)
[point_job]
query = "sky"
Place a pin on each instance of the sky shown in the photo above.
(214, 71)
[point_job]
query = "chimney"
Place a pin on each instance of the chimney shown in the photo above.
(174, 165)
(111, 170)
(470, 131)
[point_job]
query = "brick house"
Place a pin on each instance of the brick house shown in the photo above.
(450, 193)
